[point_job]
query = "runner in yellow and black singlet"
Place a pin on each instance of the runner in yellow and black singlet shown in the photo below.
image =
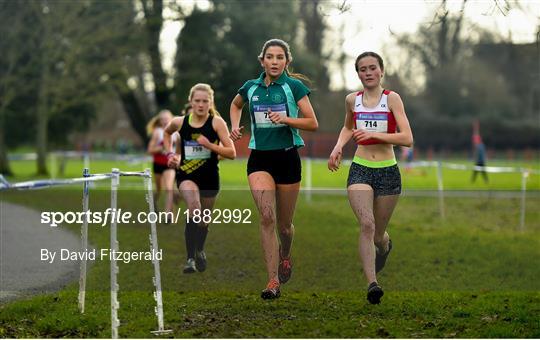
(203, 136)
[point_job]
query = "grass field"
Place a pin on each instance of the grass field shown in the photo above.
(472, 275)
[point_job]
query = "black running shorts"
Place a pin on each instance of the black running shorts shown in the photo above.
(206, 179)
(159, 168)
(283, 165)
(384, 181)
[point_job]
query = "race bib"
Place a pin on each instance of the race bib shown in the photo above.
(261, 115)
(194, 150)
(372, 122)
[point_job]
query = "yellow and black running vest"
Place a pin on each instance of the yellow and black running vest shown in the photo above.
(196, 157)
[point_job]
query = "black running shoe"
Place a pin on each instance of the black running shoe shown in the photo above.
(374, 293)
(380, 260)
(271, 291)
(200, 261)
(190, 268)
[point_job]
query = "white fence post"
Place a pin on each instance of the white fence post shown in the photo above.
(115, 305)
(86, 160)
(441, 189)
(524, 175)
(309, 183)
(154, 248)
(84, 244)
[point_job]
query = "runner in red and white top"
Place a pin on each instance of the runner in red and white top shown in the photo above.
(375, 118)
(163, 176)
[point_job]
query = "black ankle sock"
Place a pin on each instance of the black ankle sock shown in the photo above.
(190, 234)
(202, 231)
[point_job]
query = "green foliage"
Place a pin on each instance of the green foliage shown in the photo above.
(468, 77)
(46, 36)
(221, 45)
(83, 45)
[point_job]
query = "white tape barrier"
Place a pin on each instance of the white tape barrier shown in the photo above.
(40, 184)
(115, 182)
(455, 166)
(4, 184)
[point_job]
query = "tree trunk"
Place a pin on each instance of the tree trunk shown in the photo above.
(315, 27)
(443, 36)
(42, 120)
(456, 42)
(134, 111)
(154, 23)
(42, 111)
(4, 161)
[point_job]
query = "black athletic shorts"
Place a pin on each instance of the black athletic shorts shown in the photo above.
(384, 181)
(206, 179)
(159, 168)
(283, 165)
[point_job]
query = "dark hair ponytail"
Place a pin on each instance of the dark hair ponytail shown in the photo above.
(288, 56)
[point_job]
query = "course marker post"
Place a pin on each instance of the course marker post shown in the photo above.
(524, 176)
(86, 160)
(309, 184)
(441, 189)
(154, 249)
(115, 181)
(84, 244)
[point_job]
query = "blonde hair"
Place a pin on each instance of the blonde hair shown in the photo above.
(156, 120)
(208, 89)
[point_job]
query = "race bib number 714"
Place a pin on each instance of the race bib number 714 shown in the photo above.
(372, 122)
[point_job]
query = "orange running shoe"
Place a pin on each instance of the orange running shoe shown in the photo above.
(271, 291)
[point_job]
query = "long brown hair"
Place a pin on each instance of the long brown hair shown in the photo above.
(288, 56)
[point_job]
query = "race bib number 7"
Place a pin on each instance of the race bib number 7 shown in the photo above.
(262, 118)
(372, 122)
(194, 150)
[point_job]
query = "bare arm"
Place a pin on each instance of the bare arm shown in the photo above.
(173, 159)
(226, 147)
(307, 122)
(346, 131)
(236, 113)
(153, 146)
(345, 134)
(174, 125)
